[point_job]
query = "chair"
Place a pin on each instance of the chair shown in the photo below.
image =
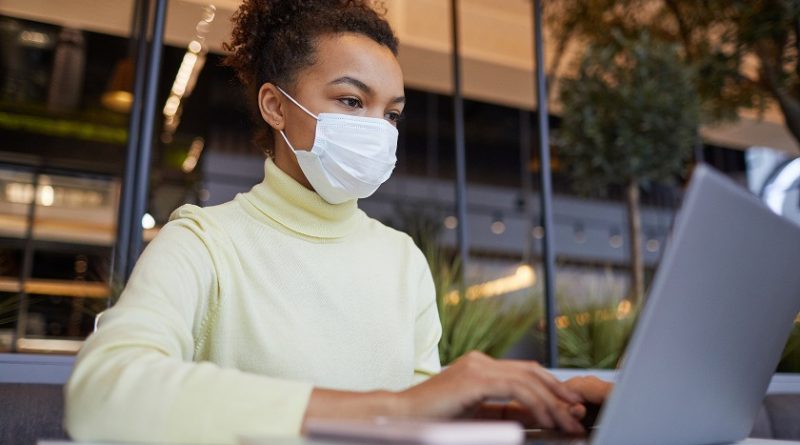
(29, 412)
(778, 418)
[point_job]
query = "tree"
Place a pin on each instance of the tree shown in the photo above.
(629, 117)
(746, 52)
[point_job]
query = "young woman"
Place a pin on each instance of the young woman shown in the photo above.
(289, 303)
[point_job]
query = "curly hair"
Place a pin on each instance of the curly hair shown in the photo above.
(273, 40)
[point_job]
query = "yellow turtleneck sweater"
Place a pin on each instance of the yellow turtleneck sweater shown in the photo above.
(235, 312)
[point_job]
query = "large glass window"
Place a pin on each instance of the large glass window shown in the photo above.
(56, 245)
(65, 95)
(60, 153)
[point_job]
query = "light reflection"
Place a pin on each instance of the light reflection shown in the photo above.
(524, 277)
(46, 195)
(148, 222)
(49, 195)
(19, 193)
(34, 38)
(193, 156)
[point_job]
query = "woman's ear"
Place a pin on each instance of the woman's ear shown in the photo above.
(270, 105)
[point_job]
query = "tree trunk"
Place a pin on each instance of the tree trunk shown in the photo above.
(771, 73)
(635, 234)
(791, 114)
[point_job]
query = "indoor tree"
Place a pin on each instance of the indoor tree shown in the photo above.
(746, 53)
(629, 118)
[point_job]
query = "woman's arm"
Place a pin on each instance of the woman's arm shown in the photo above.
(135, 379)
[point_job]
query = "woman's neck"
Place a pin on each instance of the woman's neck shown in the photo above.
(287, 162)
(285, 201)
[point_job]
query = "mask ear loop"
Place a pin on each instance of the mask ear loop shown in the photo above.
(299, 106)
(287, 140)
(296, 102)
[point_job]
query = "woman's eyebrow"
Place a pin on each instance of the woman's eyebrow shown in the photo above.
(354, 82)
(363, 87)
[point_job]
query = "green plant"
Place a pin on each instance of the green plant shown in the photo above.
(790, 359)
(9, 305)
(594, 337)
(490, 325)
(593, 324)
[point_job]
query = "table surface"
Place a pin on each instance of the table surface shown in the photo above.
(304, 441)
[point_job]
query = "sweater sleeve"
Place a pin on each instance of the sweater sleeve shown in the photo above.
(134, 380)
(428, 329)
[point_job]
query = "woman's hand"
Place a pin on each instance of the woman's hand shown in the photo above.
(590, 389)
(475, 378)
(474, 386)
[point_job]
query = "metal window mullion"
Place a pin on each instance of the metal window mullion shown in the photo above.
(460, 148)
(546, 199)
(120, 260)
(146, 141)
(27, 265)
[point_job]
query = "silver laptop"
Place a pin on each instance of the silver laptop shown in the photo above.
(713, 328)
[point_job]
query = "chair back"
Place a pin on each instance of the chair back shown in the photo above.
(29, 412)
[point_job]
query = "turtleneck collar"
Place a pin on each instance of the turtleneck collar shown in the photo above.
(285, 201)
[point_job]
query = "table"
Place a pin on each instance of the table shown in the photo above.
(303, 441)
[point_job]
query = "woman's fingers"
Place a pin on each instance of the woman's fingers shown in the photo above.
(559, 412)
(552, 416)
(556, 386)
(591, 389)
(538, 408)
(547, 398)
(518, 412)
(577, 410)
(547, 409)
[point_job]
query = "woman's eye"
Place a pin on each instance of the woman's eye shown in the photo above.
(394, 117)
(350, 102)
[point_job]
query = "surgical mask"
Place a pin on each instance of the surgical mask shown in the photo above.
(351, 156)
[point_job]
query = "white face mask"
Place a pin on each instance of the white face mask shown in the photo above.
(351, 156)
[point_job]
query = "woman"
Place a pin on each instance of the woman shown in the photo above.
(289, 303)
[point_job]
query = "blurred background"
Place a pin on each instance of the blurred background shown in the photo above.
(638, 92)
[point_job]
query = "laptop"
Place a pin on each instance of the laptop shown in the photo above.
(708, 340)
(712, 330)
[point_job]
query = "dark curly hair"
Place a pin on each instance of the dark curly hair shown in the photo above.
(273, 40)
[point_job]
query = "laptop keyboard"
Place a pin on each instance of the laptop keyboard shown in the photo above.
(544, 437)
(564, 441)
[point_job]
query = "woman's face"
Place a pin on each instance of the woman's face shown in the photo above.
(352, 74)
